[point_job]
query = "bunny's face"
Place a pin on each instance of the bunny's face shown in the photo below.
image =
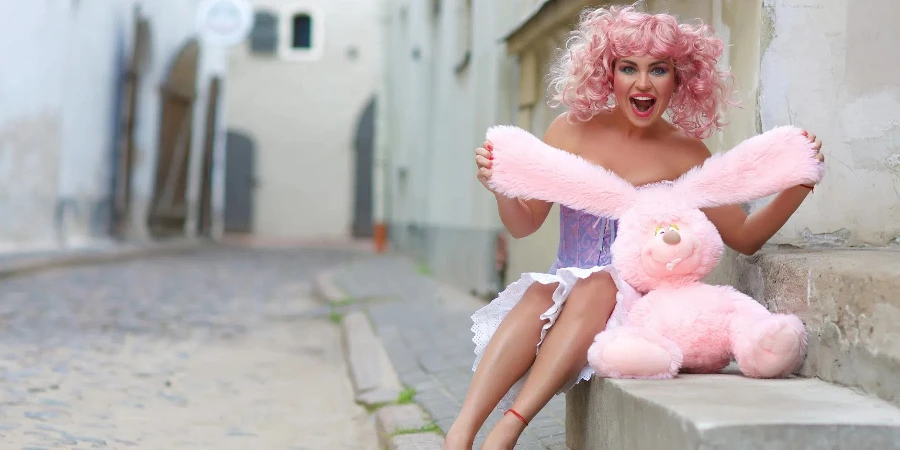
(659, 244)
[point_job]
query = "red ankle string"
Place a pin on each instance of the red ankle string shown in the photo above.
(510, 410)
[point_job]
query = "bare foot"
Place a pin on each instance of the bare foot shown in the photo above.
(505, 434)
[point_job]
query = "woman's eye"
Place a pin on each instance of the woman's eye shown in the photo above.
(659, 71)
(627, 70)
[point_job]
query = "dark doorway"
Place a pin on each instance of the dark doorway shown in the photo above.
(240, 182)
(364, 145)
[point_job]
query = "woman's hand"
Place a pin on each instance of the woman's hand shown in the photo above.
(483, 159)
(817, 144)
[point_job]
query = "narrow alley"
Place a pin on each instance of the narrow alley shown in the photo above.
(221, 348)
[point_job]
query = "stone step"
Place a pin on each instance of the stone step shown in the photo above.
(727, 411)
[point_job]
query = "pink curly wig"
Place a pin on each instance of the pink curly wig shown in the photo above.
(582, 77)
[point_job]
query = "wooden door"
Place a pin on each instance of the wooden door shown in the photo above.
(169, 209)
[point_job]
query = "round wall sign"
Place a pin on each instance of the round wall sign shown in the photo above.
(224, 22)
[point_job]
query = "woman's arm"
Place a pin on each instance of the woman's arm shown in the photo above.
(748, 233)
(522, 217)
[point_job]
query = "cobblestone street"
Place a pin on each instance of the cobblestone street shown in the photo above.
(425, 327)
(221, 349)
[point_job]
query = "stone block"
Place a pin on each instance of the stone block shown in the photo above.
(850, 303)
(726, 411)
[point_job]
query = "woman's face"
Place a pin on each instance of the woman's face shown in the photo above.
(643, 87)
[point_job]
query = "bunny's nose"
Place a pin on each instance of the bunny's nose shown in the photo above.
(671, 237)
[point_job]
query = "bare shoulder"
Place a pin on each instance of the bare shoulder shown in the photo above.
(689, 152)
(562, 133)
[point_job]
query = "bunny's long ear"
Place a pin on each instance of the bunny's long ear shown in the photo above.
(757, 167)
(527, 168)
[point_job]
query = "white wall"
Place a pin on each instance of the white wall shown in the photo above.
(302, 114)
(437, 111)
(60, 88)
(834, 69)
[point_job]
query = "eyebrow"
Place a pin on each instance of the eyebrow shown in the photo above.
(655, 63)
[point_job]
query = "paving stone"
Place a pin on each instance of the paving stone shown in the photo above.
(393, 419)
(418, 441)
(211, 349)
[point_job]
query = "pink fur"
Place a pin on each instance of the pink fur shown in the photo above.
(664, 248)
(582, 78)
(758, 167)
(522, 166)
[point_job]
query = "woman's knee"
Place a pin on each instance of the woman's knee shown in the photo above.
(593, 294)
(538, 297)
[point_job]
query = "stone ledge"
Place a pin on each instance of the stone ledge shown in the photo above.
(374, 379)
(726, 411)
(850, 302)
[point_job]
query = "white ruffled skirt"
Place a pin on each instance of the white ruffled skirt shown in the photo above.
(488, 318)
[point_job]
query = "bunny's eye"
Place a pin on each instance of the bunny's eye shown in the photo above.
(661, 229)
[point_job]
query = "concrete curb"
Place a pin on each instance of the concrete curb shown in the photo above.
(15, 266)
(375, 381)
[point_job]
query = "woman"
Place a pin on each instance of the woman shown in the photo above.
(622, 71)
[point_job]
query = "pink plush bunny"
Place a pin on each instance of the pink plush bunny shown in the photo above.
(665, 246)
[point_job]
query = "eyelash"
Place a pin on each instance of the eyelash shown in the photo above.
(663, 71)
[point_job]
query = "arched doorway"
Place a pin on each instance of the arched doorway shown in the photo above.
(364, 144)
(168, 212)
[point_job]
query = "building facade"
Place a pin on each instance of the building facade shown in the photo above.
(70, 113)
(301, 95)
(447, 79)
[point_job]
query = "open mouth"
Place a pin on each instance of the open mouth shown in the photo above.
(672, 264)
(642, 104)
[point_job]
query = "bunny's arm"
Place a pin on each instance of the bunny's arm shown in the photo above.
(527, 168)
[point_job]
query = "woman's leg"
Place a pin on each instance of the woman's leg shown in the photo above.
(562, 355)
(507, 357)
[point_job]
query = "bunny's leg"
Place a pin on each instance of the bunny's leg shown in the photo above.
(632, 352)
(765, 345)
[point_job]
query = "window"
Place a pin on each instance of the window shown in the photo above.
(302, 31)
(264, 37)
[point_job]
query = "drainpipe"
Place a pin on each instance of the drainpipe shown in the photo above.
(379, 158)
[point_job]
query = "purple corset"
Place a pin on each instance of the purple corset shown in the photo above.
(584, 239)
